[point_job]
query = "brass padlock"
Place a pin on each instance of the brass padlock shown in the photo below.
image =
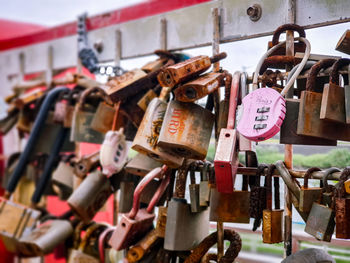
(104, 118)
(342, 208)
(309, 122)
(186, 70)
(141, 164)
(272, 218)
(154, 65)
(146, 99)
(347, 186)
(184, 229)
(90, 196)
(333, 96)
(45, 238)
(309, 195)
(78, 253)
(231, 253)
(186, 130)
(199, 87)
(83, 116)
(288, 134)
(138, 222)
(137, 252)
(147, 136)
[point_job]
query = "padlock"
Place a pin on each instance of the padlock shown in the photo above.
(137, 222)
(62, 177)
(186, 130)
(149, 191)
(45, 238)
(204, 190)
(161, 221)
(90, 196)
(257, 196)
(198, 88)
(347, 186)
(73, 97)
(226, 156)
(194, 190)
(298, 47)
(184, 229)
(230, 207)
(83, 116)
(272, 218)
(333, 96)
(86, 164)
(146, 99)
(224, 104)
(147, 136)
(328, 190)
(186, 70)
(141, 164)
(104, 118)
(342, 208)
(23, 219)
(137, 252)
(309, 195)
(78, 254)
(154, 65)
(231, 253)
(320, 222)
(104, 250)
(309, 122)
(29, 97)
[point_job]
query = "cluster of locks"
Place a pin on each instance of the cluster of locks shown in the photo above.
(156, 108)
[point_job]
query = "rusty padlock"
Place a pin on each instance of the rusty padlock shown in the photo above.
(63, 176)
(309, 195)
(147, 136)
(103, 119)
(231, 253)
(90, 196)
(73, 97)
(309, 122)
(161, 221)
(288, 134)
(83, 116)
(184, 229)
(194, 190)
(226, 156)
(137, 222)
(204, 189)
(45, 238)
(141, 164)
(342, 208)
(186, 70)
(298, 47)
(186, 130)
(198, 88)
(272, 218)
(86, 164)
(138, 251)
(230, 207)
(333, 96)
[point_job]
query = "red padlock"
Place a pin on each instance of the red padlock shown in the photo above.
(226, 157)
(137, 222)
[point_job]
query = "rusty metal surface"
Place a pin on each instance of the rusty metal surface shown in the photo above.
(278, 61)
(334, 75)
(285, 27)
(86, 164)
(230, 254)
(315, 69)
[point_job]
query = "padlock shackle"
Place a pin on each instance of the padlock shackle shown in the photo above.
(308, 65)
(244, 88)
(231, 253)
(327, 173)
(160, 191)
(307, 176)
(277, 61)
(102, 240)
(88, 234)
(334, 75)
(315, 69)
(49, 165)
(233, 100)
(288, 179)
(228, 82)
(284, 28)
(141, 187)
(100, 92)
(33, 137)
(180, 182)
(268, 185)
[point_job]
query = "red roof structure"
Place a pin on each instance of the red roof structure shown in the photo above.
(13, 29)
